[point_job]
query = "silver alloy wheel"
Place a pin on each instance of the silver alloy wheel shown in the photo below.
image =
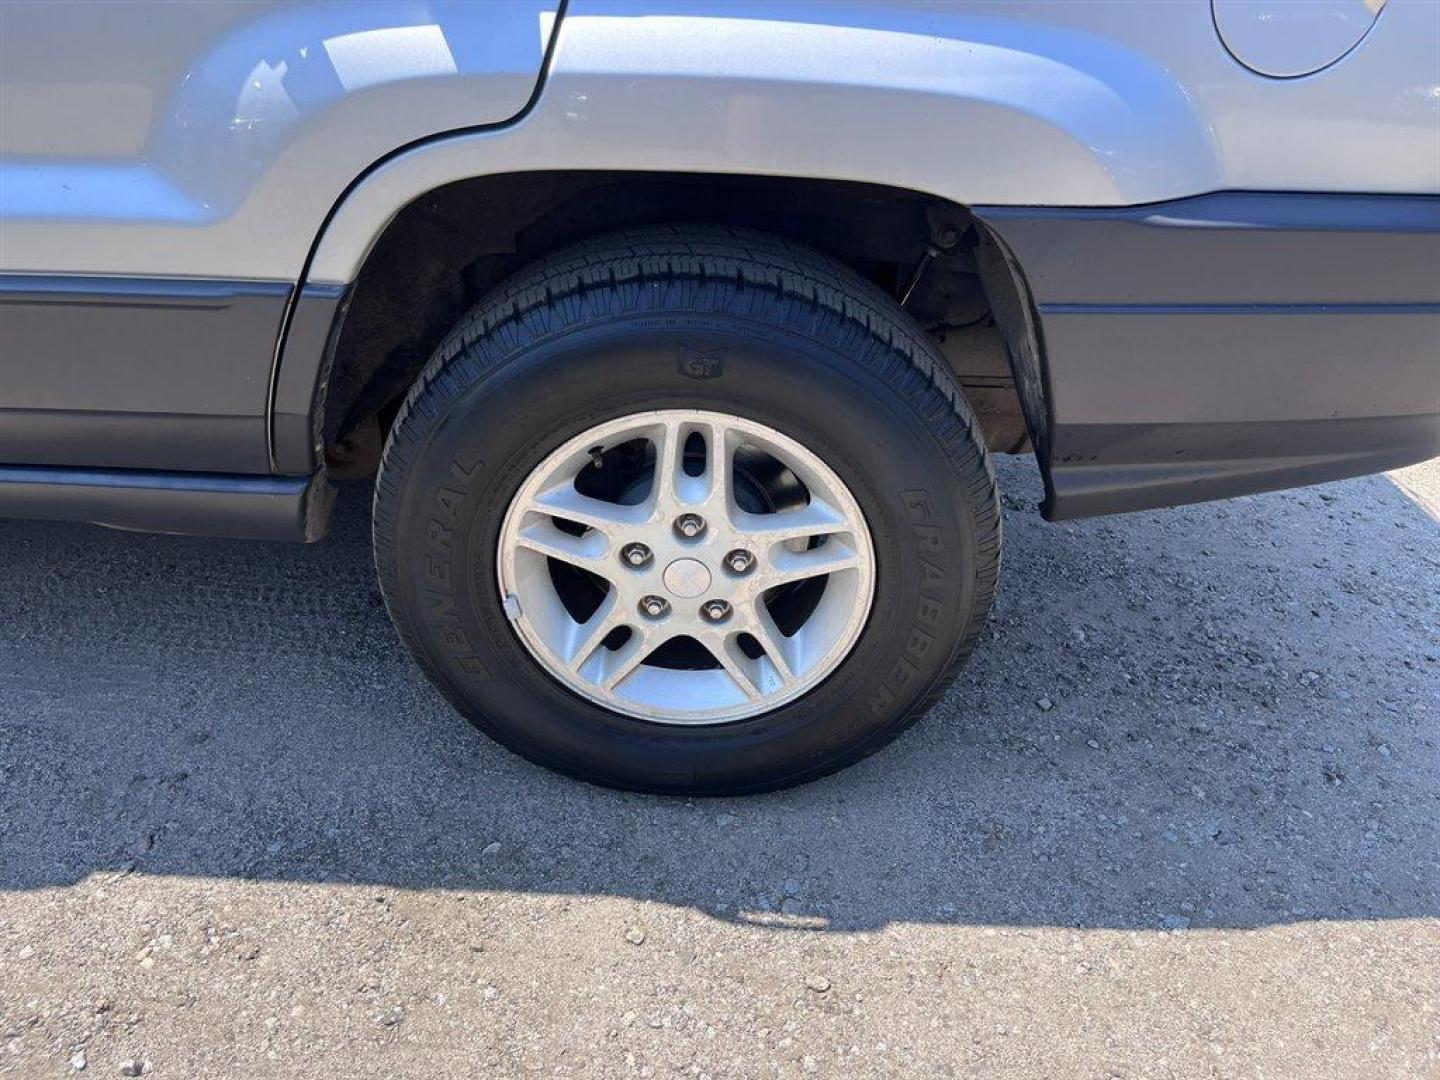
(738, 659)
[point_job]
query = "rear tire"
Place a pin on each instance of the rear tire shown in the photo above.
(705, 322)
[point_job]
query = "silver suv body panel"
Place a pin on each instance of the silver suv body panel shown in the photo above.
(212, 139)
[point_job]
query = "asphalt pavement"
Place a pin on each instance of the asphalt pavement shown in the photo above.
(1180, 817)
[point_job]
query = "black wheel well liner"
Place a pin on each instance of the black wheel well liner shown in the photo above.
(449, 247)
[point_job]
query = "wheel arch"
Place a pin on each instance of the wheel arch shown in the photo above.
(352, 350)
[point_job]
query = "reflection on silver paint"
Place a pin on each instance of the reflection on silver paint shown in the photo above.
(242, 123)
(372, 57)
(1286, 38)
(261, 114)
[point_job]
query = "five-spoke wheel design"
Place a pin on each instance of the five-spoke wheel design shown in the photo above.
(686, 567)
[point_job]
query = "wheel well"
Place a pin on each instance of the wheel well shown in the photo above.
(444, 251)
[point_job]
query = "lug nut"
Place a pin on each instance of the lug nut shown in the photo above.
(635, 554)
(653, 607)
(739, 561)
(689, 525)
(715, 610)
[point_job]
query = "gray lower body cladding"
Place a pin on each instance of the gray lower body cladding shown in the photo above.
(1228, 344)
(137, 373)
(292, 508)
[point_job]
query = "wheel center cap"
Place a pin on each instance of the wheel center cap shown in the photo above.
(687, 578)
